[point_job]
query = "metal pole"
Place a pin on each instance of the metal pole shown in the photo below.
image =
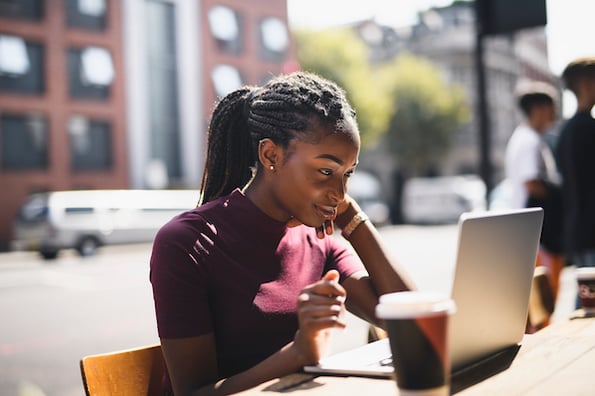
(485, 165)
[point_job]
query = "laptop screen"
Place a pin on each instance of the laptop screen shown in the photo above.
(495, 261)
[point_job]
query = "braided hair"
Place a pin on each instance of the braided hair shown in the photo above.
(282, 110)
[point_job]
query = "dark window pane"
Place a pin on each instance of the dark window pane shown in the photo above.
(90, 144)
(21, 71)
(78, 87)
(79, 210)
(24, 142)
(31, 10)
(34, 210)
(90, 15)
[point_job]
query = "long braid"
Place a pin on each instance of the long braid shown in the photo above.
(281, 110)
(229, 148)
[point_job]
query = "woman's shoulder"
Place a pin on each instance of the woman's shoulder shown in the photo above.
(209, 219)
(200, 215)
(185, 223)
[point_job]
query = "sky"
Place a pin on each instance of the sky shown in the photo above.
(570, 25)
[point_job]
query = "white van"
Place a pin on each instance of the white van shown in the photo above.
(87, 219)
(439, 200)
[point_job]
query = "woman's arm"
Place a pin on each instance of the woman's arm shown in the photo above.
(192, 363)
(384, 275)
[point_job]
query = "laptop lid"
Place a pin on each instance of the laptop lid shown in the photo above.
(496, 253)
(494, 269)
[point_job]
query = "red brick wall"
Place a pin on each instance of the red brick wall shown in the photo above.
(56, 106)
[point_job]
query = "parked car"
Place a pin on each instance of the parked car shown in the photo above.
(435, 200)
(85, 220)
(366, 189)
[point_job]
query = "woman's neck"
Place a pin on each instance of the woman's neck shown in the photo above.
(262, 198)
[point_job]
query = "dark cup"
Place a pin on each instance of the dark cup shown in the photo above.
(417, 325)
(585, 278)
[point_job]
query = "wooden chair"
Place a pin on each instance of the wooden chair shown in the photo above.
(131, 372)
(542, 301)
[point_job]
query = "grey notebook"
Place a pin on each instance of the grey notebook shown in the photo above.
(494, 268)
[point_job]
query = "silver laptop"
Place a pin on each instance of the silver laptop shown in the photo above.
(495, 262)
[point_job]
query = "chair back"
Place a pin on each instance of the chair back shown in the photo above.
(132, 372)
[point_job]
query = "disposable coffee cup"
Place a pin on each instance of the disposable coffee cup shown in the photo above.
(585, 277)
(417, 326)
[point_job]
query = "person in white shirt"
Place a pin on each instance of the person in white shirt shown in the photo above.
(529, 160)
(532, 173)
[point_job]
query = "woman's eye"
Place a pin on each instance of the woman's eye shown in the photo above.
(326, 172)
(349, 174)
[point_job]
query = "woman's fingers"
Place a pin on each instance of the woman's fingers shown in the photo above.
(323, 304)
(321, 308)
(320, 300)
(331, 275)
(324, 308)
(329, 289)
(329, 227)
(320, 232)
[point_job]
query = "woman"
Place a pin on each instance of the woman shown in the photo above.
(249, 285)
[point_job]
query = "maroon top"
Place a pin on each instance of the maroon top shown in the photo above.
(229, 269)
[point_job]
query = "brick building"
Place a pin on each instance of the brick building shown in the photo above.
(117, 94)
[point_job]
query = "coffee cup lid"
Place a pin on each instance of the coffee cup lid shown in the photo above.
(409, 304)
(585, 273)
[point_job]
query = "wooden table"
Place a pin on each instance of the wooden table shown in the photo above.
(558, 360)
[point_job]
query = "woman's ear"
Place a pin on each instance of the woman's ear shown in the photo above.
(269, 154)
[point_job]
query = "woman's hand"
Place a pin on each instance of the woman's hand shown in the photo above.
(328, 227)
(321, 308)
(345, 207)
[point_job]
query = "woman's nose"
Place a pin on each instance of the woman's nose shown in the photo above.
(338, 190)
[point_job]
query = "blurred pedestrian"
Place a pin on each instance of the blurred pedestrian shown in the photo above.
(248, 285)
(534, 180)
(576, 160)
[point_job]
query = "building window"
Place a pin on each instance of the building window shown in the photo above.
(90, 72)
(226, 79)
(225, 25)
(273, 39)
(30, 10)
(23, 139)
(21, 65)
(90, 144)
(86, 14)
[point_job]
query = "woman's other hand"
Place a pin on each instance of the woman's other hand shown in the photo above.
(321, 308)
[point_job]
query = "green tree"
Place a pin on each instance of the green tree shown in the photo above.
(427, 113)
(339, 55)
(404, 101)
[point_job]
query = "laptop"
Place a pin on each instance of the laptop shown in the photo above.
(494, 268)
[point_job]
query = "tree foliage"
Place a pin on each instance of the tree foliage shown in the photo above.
(339, 55)
(405, 101)
(427, 113)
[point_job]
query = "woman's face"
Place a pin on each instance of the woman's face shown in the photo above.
(312, 179)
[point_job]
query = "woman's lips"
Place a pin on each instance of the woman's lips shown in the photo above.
(327, 212)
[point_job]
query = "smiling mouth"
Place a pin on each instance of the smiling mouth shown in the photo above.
(327, 212)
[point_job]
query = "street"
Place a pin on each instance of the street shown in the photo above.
(55, 312)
